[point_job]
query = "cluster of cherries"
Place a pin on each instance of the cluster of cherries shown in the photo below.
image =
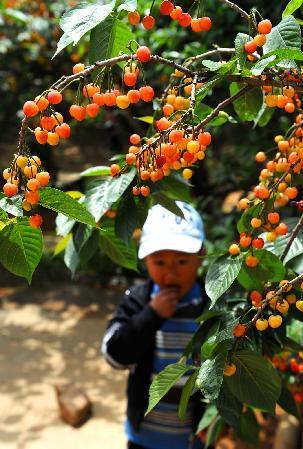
(291, 364)
(176, 13)
(176, 150)
(287, 100)
(264, 27)
(25, 174)
(275, 190)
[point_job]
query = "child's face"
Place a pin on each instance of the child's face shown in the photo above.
(176, 269)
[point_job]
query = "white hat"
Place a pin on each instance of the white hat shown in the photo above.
(165, 230)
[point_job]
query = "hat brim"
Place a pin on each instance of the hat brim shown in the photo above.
(183, 243)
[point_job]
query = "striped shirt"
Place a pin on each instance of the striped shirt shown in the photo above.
(162, 428)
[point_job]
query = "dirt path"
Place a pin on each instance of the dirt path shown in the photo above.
(48, 335)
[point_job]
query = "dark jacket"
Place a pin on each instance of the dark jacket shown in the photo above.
(129, 343)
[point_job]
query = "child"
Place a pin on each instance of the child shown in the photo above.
(153, 325)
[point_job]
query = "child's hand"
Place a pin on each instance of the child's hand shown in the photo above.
(165, 302)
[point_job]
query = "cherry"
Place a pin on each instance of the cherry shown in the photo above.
(43, 177)
(129, 79)
(41, 135)
(32, 197)
(63, 131)
(98, 98)
(48, 123)
(239, 330)
(234, 249)
(250, 47)
(146, 93)
(92, 110)
(10, 189)
(176, 13)
(134, 96)
(30, 108)
(261, 324)
(184, 19)
(54, 97)
(35, 221)
(77, 112)
(148, 22)
(133, 17)
(135, 139)
(205, 23)
(78, 68)
(42, 103)
(143, 53)
(265, 26)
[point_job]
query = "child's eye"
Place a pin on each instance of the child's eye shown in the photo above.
(158, 263)
(183, 261)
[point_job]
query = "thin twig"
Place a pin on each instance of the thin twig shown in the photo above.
(221, 106)
(294, 234)
(237, 9)
(208, 53)
(266, 301)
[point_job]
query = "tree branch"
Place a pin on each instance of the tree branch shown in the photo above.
(237, 9)
(208, 53)
(221, 106)
(294, 234)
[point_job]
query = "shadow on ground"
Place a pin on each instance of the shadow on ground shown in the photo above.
(51, 333)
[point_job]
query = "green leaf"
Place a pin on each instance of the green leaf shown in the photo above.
(277, 56)
(21, 248)
(104, 193)
(63, 42)
(255, 381)
(208, 416)
(269, 269)
(228, 406)
(83, 17)
(248, 428)
(81, 236)
(126, 220)
(64, 225)
(164, 381)
(264, 116)
(287, 402)
(286, 34)
(207, 87)
(211, 65)
(12, 205)
(128, 5)
(210, 376)
(108, 39)
(176, 187)
(59, 201)
(168, 203)
(146, 119)
(240, 41)
(262, 64)
(123, 255)
(185, 395)
(248, 106)
(202, 111)
(212, 343)
(214, 431)
(62, 244)
(291, 7)
(101, 170)
(71, 257)
(243, 224)
(221, 274)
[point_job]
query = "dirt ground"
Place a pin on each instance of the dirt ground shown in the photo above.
(51, 334)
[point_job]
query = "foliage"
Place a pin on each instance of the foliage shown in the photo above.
(230, 369)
